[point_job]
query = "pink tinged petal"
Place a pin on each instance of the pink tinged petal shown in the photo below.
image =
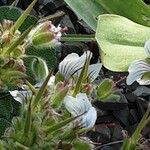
(137, 70)
(89, 119)
(147, 48)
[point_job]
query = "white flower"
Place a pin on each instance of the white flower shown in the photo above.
(81, 105)
(73, 64)
(139, 68)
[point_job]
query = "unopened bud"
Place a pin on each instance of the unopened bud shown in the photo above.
(45, 34)
(58, 98)
(42, 38)
(40, 69)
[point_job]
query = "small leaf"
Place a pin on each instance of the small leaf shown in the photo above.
(104, 90)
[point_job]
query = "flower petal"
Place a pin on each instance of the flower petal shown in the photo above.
(137, 70)
(77, 105)
(147, 48)
(19, 95)
(94, 70)
(89, 119)
(72, 63)
(50, 82)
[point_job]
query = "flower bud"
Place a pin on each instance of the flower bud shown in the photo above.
(45, 34)
(40, 69)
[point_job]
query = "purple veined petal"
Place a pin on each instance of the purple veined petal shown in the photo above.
(84, 101)
(80, 62)
(64, 66)
(136, 71)
(93, 71)
(147, 47)
(77, 105)
(89, 119)
(73, 105)
(72, 63)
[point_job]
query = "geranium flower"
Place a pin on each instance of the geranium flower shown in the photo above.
(80, 105)
(139, 70)
(73, 64)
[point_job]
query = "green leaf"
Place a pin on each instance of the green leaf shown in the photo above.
(45, 53)
(135, 10)
(88, 10)
(121, 41)
(60, 125)
(104, 90)
(13, 13)
(5, 108)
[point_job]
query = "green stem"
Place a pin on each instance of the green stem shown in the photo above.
(82, 77)
(77, 38)
(27, 126)
(53, 16)
(141, 125)
(41, 91)
(18, 41)
(130, 143)
(31, 87)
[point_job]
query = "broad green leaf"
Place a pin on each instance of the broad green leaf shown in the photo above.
(121, 41)
(23, 17)
(3, 125)
(88, 10)
(135, 10)
(13, 13)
